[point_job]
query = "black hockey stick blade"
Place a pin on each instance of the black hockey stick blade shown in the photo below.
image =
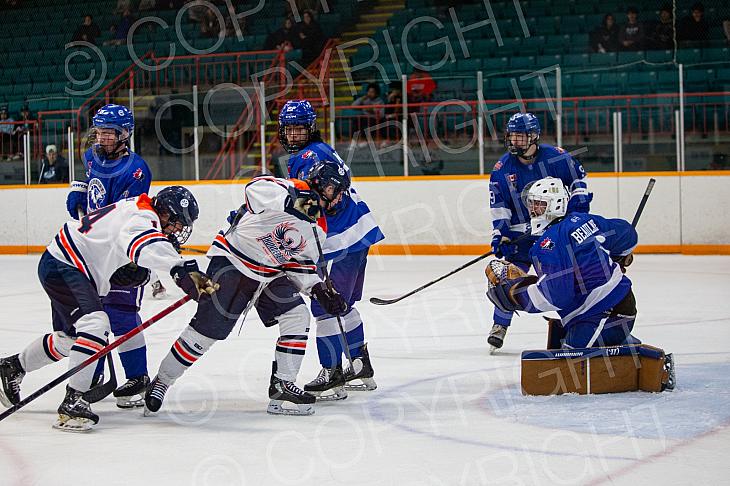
(100, 392)
(378, 301)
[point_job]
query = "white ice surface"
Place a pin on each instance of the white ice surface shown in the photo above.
(445, 412)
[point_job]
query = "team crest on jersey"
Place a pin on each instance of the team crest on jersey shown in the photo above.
(547, 244)
(512, 177)
(281, 245)
(138, 174)
(308, 154)
(97, 193)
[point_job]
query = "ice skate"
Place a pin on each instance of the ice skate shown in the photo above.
(361, 378)
(131, 394)
(154, 396)
(287, 398)
(329, 385)
(74, 413)
(496, 337)
(11, 374)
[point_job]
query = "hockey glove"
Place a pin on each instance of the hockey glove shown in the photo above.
(505, 280)
(623, 261)
(192, 281)
(502, 247)
(580, 203)
(130, 275)
(331, 301)
(77, 199)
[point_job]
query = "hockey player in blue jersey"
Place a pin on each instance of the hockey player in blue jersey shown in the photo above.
(526, 161)
(351, 230)
(114, 173)
(580, 259)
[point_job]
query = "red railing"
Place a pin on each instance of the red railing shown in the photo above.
(228, 156)
(705, 113)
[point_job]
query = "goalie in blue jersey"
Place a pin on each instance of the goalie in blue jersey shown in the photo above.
(580, 259)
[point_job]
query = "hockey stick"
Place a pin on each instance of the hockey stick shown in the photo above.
(330, 287)
(644, 198)
(102, 352)
(379, 301)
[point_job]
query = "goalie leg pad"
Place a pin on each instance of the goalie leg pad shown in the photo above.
(596, 370)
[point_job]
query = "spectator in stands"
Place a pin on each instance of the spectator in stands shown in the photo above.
(121, 29)
(7, 144)
(693, 29)
(370, 116)
(420, 86)
(631, 35)
(210, 25)
(662, 34)
(21, 129)
(393, 112)
(88, 31)
(605, 37)
(311, 38)
(54, 169)
(285, 38)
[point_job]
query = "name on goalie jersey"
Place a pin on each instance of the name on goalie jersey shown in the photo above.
(281, 245)
(584, 231)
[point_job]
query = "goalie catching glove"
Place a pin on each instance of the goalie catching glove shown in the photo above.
(192, 281)
(505, 280)
(130, 275)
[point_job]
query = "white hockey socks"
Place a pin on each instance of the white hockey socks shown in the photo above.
(92, 332)
(188, 348)
(292, 342)
(45, 350)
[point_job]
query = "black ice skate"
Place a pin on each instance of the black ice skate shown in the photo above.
(131, 394)
(329, 384)
(283, 394)
(669, 368)
(74, 413)
(154, 396)
(496, 337)
(158, 290)
(11, 374)
(361, 379)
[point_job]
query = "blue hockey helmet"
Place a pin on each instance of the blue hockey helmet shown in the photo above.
(297, 113)
(178, 205)
(114, 116)
(526, 123)
(329, 179)
(117, 117)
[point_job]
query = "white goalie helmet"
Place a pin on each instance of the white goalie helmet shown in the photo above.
(545, 200)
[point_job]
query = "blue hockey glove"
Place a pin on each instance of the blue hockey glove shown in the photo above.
(580, 203)
(77, 199)
(502, 247)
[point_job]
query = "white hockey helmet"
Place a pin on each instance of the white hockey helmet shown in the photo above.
(545, 200)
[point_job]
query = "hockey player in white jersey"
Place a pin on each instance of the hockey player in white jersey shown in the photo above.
(265, 259)
(115, 244)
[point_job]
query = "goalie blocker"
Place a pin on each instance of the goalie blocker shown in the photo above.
(597, 370)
